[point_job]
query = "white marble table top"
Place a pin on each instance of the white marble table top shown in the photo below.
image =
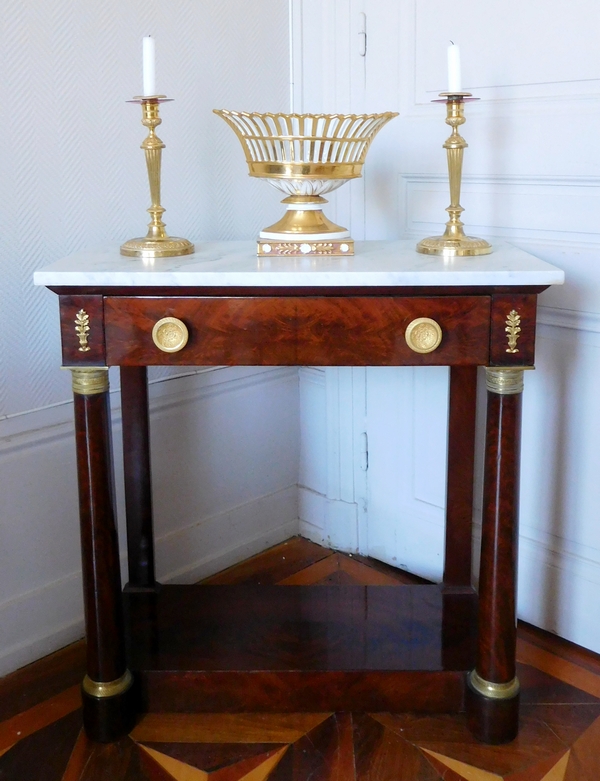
(235, 264)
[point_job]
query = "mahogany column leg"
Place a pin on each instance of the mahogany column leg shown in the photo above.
(108, 701)
(461, 462)
(493, 688)
(137, 477)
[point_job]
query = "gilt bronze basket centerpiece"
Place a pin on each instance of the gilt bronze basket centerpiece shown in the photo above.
(305, 156)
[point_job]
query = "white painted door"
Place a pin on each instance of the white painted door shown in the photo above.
(406, 424)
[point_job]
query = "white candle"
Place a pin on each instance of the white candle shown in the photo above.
(454, 85)
(148, 65)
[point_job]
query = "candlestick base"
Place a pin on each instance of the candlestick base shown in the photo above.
(466, 246)
(145, 247)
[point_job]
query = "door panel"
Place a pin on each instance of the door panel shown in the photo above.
(407, 412)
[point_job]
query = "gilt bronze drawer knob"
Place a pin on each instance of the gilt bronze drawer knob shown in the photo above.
(423, 335)
(170, 334)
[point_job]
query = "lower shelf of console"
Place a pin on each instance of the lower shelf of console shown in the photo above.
(301, 648)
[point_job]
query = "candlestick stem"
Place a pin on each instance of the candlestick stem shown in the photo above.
(454, 242)
(157, 243)
(454, 147)
(153, 147)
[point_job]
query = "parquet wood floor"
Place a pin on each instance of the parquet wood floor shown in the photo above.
(559, 740)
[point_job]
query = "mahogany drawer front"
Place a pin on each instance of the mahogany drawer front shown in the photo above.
(263, 331)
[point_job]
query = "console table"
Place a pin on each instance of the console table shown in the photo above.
(245, 648)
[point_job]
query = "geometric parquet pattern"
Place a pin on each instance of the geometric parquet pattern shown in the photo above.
(559, 739)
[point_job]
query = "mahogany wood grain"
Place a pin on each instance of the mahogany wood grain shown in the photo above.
(105, 719)
(335, 647)
(305, 291)
(363, 574)
(554, 717)
(317, 574)
(80, 755)
(384, 755)
(557, 646)
(573, 673)
(498, 569)
(274, 564)
(492, 721)
(329, 569)
(237, 648)
(525, 306)
(334, 742)
(39, 716)
(326, 752)
(46, 678)
(99, 543)
(299, 561)
(450, 739)
(43, 754)
(281, 691)
(497, 720)
(117, 761)
(357, 331)
(225, 727)
(542, 687)
(584, 756)
(461, 463)
(137, 476)
(182, 763)
(459, 625)
(250, 627)
(72, 354)
(399, 575)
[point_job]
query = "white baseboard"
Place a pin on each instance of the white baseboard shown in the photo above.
(329, 522)
(559, 591)
(40, 621)
(228, 537)
(312, 511)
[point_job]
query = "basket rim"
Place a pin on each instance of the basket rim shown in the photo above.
(336, 139)
(310, 115)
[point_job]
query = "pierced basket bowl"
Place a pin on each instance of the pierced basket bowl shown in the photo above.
(305, 154)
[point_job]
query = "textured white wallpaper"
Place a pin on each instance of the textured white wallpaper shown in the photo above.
(72, 174)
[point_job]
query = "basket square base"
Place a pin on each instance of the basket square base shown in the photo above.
(267, 249)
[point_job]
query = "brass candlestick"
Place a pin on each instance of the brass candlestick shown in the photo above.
(454, 242)
(157, 243)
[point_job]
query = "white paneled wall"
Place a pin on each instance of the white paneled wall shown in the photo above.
(531, 177)
(73, 177)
